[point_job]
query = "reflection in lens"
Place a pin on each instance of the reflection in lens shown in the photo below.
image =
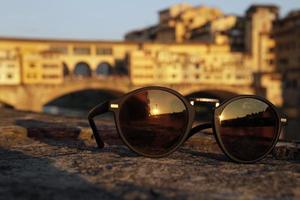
(247, 128)
(153, 121)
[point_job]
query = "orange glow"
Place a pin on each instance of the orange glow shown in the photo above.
(155, 111)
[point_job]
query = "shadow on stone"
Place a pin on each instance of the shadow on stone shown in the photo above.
(62, 135)
(27, 177)
(120, 150)
(51, 130)
(55, 134)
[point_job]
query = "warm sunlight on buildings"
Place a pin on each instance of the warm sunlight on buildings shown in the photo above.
(189, 45)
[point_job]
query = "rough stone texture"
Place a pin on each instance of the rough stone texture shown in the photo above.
(54, 157)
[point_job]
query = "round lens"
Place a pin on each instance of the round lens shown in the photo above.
(247, 128)
(153, 121)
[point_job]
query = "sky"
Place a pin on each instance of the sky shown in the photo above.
(99, 19)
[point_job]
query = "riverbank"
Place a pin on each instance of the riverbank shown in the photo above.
(52, 157)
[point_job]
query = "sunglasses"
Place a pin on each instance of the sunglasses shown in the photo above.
(154, 121)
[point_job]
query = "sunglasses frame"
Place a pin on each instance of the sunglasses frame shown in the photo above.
(115, 105)
(280, 121)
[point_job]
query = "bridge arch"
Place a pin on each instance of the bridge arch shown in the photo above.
(84, 99)
(82, 69)
(104, 69)
(34, 97)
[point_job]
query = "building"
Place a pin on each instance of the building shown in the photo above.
(260, 46)
(227, 29)
(258, 38)
(175, 23)
(41, 61)
(188, 63)
(287, 54)
(44, 67)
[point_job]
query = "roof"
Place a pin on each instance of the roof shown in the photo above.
(62, 40)
(24, 39)
(254, 7)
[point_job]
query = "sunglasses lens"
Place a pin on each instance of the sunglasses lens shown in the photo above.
(153, 121)
(247, 128)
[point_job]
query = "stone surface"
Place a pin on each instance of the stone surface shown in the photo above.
(54, 157)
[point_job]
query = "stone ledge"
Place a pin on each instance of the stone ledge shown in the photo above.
(52, 157)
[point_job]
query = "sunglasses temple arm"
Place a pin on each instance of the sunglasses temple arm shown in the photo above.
(199, 128)
(98, 110)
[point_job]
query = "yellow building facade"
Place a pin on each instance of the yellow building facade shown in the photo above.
(189, 63)
(10, 68)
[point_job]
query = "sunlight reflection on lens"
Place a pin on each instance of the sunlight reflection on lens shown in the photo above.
(155, 111)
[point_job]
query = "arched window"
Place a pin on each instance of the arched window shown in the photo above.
(82, 69)
(104, 69)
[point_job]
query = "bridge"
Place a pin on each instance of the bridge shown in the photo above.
(34, 97)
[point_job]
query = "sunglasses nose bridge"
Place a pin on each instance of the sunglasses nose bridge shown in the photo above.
(204, 100)
(114, 105)
(284, 121)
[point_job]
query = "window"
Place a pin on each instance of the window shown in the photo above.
(31, 75)
(239, 77)
(271, 62)
(197, 66)
(197, 76)
(174, 76)
(60, 49)
(10, 66)
(32, 65)
(294, 84)
(50, 76)
(49, 66)
(9, 76)
(283, 61)
(104, 51)
(82, 50)
(143, 76)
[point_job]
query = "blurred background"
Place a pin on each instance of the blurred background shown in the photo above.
(64, 57)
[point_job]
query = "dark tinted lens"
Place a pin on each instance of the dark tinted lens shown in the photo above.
(247, 128)
(153, 121)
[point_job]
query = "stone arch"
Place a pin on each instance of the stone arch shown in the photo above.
(104, 69)
(117, 88)
(83, 99)
(82, 69)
